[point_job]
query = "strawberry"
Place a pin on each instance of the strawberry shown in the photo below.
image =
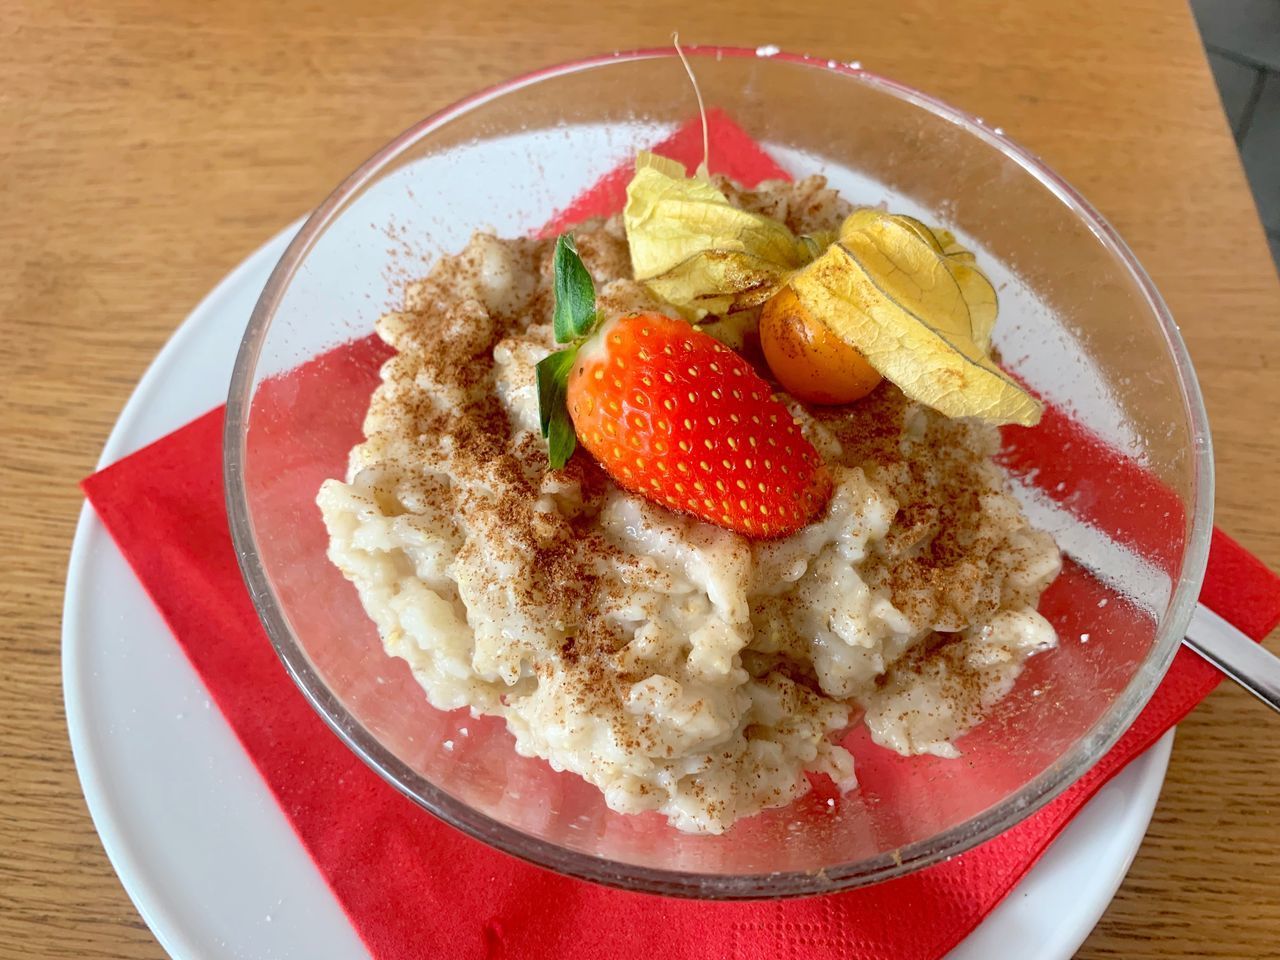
(674, 415)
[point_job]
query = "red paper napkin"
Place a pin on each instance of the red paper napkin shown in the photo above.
(414, 887)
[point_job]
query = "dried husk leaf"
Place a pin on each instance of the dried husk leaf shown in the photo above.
(696, 250)
(978, 292)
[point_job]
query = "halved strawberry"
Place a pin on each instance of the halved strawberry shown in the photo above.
(674, 415)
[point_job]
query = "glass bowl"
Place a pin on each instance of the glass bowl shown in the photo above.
(1119, 471)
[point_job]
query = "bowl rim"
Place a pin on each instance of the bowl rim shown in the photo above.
(1033, 795)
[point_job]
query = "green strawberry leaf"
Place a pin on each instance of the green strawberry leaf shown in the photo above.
(573, 320)
(562, 441)
(575, 311)
(553, 414)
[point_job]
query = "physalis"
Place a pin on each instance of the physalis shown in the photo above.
(885, 296)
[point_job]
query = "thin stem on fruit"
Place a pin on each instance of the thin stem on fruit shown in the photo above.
(704, 168)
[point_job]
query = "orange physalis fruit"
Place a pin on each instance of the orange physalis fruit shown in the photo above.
(810, 361)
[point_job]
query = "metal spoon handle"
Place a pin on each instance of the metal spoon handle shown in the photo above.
(1247, 663)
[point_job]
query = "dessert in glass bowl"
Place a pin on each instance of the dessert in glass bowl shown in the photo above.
(1118, 470)
(684, 494)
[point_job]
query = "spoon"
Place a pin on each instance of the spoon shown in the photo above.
(1247, 663)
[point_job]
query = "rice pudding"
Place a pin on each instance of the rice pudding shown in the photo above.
(678, 666)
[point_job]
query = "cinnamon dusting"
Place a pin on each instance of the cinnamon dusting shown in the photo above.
(536, 552)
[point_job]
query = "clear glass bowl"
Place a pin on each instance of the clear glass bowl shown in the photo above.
(1120, 472)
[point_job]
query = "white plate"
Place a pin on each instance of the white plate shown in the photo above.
(199, 843)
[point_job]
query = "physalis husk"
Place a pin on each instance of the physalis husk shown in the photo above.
(699, 252)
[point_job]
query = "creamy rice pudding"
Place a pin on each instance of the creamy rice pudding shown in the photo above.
(678, 666)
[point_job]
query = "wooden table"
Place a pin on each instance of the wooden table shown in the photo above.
(148, 147)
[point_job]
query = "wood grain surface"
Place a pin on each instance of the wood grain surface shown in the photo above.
(146, 147)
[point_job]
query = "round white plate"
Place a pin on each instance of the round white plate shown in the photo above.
(200, 845)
